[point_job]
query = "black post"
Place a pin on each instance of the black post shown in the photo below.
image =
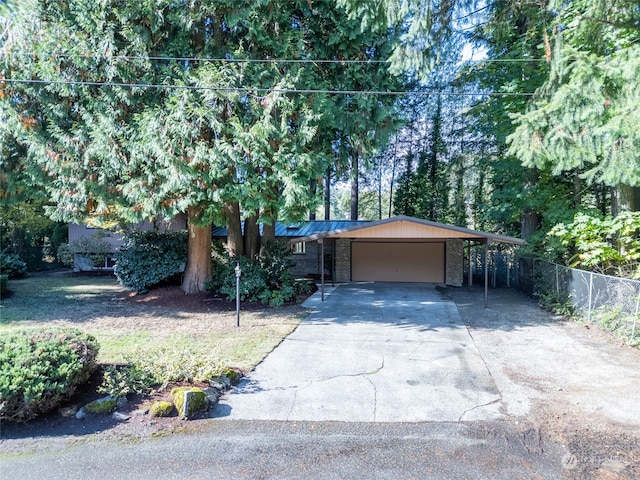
(238, 273)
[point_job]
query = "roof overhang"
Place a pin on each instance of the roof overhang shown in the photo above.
(403, 227)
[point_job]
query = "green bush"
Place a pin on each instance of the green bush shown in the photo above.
(148, 258)
(41, 369)
(120, 381)
(163, 365)
(12, 266)
(266, 280)
(3, 283)
(65, 255)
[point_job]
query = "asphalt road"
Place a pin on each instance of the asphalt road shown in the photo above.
(237, 449)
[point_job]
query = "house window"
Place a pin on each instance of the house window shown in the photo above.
(299, 248)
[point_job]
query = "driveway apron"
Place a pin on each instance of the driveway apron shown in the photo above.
(372, 352)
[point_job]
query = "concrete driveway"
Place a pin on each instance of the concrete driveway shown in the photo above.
(372, 352)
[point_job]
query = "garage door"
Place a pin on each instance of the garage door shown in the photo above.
(397, 262)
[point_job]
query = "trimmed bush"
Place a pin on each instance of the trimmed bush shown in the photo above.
(147, 258)
(41, 369)
(12, 266)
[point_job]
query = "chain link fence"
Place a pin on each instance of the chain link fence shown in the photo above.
(503, 268)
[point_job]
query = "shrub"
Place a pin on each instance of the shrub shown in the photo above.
(41, 369)
(148, 258)
(3, 283)
(12, 266)
(167, 364)
(265, 280)
(65, 255)
(121, 381)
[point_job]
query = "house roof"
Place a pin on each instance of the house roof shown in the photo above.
(408, 227)
(301, 229)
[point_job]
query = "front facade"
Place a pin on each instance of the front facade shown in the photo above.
(397, 249)
(400, 249)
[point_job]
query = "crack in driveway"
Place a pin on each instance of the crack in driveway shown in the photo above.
(360, 374)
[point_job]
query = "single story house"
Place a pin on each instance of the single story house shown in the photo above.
(397, 249)
(85, 240)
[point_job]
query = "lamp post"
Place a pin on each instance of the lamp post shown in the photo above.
(238, 271)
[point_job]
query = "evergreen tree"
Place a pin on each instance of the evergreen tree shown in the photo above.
(586, 116)
(131, 121)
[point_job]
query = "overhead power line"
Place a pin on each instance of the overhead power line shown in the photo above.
(243, 60)
(257, 89)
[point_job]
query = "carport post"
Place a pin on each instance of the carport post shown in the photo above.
(486, 273)
(321, 267)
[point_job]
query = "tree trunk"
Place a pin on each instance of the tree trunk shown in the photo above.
(327, 195)
(251, 237)
(313, 189)
(393, 175)
(529, 221)
(198, 269)
(355, 188)
(268, 232)
(577, 189)
(234, 229)
(625, 199)
(380, 190)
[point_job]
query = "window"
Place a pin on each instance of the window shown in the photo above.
(298, 248)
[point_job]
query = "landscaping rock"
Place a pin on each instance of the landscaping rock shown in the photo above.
(161, 409)
(234, 376)
(101, 406)
(81, 414)
(226, 380)
(213, 395)
(189, 401)
(120, 417)
(68, 411)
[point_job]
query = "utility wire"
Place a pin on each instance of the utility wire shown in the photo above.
(256, 89)
(244, 60)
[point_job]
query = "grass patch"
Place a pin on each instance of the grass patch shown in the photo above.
(124, 328)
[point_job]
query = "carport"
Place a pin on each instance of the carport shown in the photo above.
(405, 249)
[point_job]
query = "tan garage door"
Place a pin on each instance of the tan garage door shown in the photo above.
(397, 262)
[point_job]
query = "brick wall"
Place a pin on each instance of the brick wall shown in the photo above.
(307, 263)
(454, 262)
(343, 260)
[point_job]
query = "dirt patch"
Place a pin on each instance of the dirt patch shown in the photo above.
(172, 297)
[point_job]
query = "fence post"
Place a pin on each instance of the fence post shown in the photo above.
(557, 284)
(590, 292)
(635, 317)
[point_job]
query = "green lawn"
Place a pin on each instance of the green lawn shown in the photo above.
(126, 325)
